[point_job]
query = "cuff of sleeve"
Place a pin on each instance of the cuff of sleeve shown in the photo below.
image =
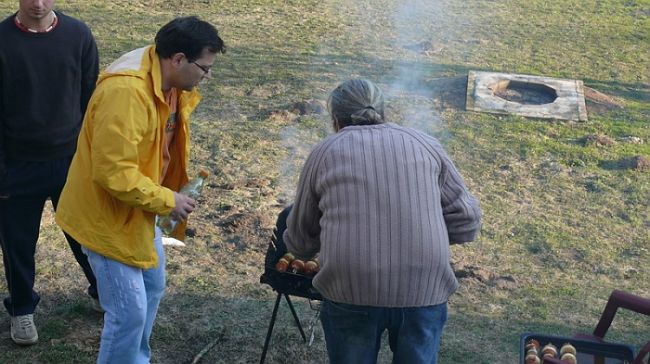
(462, 237)
(168, 201)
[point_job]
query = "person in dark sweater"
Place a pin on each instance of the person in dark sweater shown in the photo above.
(48, 69)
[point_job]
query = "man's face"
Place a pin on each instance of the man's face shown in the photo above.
(35, 9)
(191, 73)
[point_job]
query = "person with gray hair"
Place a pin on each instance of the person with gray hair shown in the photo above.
(380, 204)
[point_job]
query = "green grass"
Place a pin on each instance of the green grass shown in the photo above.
(565, 222)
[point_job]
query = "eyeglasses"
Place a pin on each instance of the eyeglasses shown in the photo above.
(206, 70)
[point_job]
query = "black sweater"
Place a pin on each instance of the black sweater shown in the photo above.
(46, 80)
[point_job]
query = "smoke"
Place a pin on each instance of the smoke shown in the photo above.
(396, 44)
(297, 141)
(420, 40)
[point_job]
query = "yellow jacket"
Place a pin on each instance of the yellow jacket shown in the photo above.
(113, 191)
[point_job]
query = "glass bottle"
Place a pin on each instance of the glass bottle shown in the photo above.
(192, 189)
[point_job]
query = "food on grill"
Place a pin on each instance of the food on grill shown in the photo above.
(311, 267)
(297, 266)
(567, 353)
(549, 350)
(283, 264)
(569, 358)
(531, 359)
(567, 348)
(532, 344)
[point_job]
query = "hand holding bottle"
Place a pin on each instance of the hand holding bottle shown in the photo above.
(185, 203)
(184, 206)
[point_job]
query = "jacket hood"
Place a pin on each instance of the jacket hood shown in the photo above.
(133, 63)
(139, 63)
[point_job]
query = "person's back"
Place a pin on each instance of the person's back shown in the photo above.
(384, 238)
(381, 204)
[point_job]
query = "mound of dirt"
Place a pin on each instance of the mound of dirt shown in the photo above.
(598, 139)
(639, 163)
(469, 271)
(308, 107)
(599, 102)
(282, 116)
(426, 47)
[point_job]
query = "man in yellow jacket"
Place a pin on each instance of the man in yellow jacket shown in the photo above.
(131, 157)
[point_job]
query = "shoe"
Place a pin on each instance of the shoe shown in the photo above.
(97, 307)
(23, 330)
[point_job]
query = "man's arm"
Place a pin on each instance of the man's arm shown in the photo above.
(460, 209)
(90, 70)
(2, 126)
(302, 236)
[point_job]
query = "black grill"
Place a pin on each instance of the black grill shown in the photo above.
(284, 283)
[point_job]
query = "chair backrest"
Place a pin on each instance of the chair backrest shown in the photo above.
(620, 299)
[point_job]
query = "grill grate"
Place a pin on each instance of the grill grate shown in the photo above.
(285, 282)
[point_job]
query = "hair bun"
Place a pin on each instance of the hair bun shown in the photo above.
(366, 116)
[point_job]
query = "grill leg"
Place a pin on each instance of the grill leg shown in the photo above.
(295, 316)
(268, 333)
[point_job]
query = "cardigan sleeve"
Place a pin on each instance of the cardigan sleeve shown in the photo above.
(302, 236)
(460, 209)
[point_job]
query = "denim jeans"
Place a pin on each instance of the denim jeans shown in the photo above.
(353, 333)
(130, 296)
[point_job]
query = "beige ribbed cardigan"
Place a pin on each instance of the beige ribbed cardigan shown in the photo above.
(380, 205)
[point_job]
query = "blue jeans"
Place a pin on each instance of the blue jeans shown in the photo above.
(353, 333)
(130, 297)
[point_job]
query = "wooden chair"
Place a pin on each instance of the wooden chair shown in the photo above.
(618, 299)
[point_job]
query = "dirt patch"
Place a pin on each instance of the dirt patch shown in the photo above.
(267, 90)
(307, 107)
(449, 93)
(282, 116)
(84, 338)
(599, 102)
(598, 140)
(471, 272)
(245, 229)
(295, 111)
(426, 47)
(506, 282)
(637, 163)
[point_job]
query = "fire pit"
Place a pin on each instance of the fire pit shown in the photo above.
(284, 283)
(531, 96)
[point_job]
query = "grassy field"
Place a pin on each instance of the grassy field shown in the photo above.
(566, 213)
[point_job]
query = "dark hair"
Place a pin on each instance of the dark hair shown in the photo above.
(188, 35)
(356, 102)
